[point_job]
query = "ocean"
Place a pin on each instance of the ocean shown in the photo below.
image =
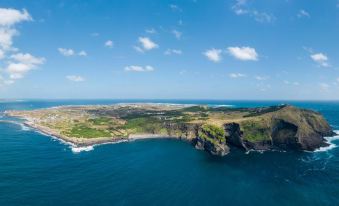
(38, 170)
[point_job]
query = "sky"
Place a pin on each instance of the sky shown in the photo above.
(170, 49)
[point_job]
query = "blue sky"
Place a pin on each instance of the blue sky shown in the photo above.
(187, 49)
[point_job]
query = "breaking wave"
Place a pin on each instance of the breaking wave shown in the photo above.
(81, 149)
(330, 141)
(24, 127)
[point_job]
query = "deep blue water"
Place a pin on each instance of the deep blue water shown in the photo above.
(38, 170)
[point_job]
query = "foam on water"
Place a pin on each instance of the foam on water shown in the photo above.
(22, 125)
(24, 128)
(81, 149)
(222, 105)
(329, 140)
(75, 149)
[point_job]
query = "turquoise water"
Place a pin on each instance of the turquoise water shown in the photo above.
(39, 170)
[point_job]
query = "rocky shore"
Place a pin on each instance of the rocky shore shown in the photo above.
(269, 128)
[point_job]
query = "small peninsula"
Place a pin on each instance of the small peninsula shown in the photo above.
(213, 129)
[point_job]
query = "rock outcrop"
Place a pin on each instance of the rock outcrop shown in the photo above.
(286, 128)
(280, 127)
(212, 139)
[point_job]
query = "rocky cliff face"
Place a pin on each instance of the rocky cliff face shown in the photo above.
(287, 128)
(212, 139)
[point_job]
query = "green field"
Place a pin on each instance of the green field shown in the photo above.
(83, 131)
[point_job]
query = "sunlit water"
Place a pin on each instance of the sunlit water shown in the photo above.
(39, 170)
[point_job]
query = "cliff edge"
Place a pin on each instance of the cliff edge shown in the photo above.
(286, 128)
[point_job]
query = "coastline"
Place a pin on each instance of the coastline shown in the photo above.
(85, 142)
(329, 141)
(88, 144)
(83, 127)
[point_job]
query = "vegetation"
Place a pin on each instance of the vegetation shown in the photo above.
(122, 120)
(255, 130)
(83, 131)
(143, 125)
(204, 124)
(101, 121)
(212, 133)
(265, 110)
(195, 109)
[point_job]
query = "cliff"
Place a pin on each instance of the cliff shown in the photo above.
(283, 127)
(211, 129)
(286, 128)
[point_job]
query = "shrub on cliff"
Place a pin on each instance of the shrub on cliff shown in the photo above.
(213, 132)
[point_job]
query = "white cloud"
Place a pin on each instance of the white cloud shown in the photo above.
(82, 53)
(20, 63)
(236, 75)
(303, 13)
(17, 70)
(147, 44)
(177, 34)
(75, 78)
(134, 68)
(70, 52)
(151, 31)
(23, 64)
(109, 44)
(173, 51)
(243, 53)
(241, 8)
(338, 79)
(3, 81)
(213, 55)
(6, 37)
(261, 78)
(9, 17)
(320, 59)
(66, 52)
(262, 17)
(28, 59)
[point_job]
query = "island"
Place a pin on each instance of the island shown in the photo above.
(213, 129)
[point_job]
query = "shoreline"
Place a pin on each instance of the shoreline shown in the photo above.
(329, 141)
(88, 126)
(85, 142)
(77, 147)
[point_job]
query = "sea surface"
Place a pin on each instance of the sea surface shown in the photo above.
(38, 170)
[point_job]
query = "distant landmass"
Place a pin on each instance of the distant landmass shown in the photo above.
(213, 129)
